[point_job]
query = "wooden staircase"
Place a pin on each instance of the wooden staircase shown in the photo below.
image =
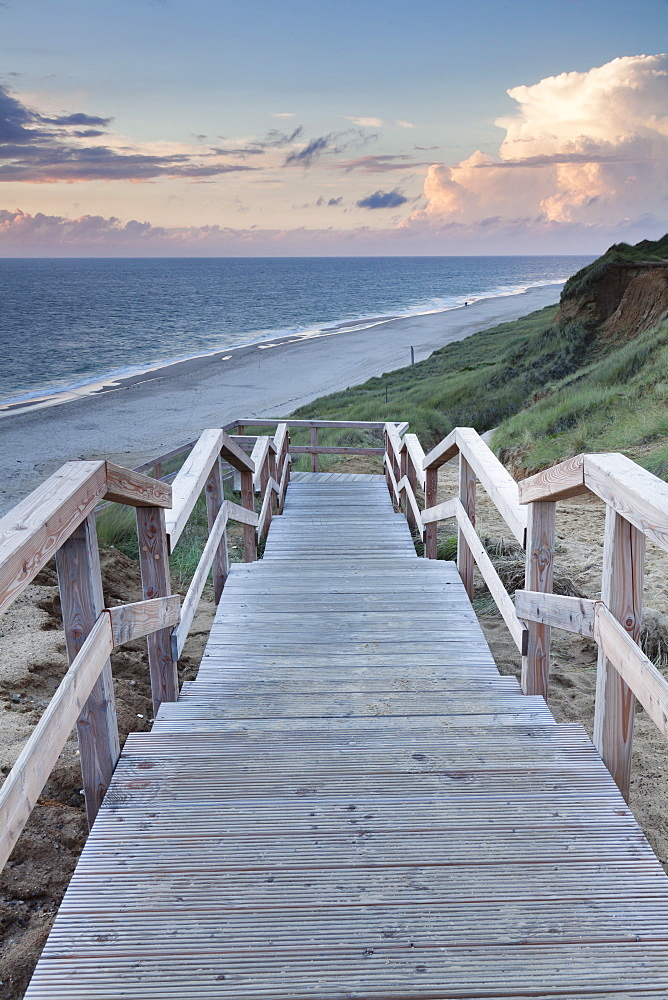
(350, 801)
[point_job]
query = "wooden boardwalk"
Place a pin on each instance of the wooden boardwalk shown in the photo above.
(350, 801)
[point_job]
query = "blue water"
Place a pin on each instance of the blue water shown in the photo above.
(65, 323)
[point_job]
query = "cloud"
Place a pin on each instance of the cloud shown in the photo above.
(584, 148)
(38, 148)
(382, 163)
(404, 124)
(284, 114)
(364, 122)
(329, 202)
(383, 199)
(275, 139)
(305, 157)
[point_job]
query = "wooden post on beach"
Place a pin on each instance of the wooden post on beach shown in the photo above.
(465, 560)
(621, 592)
(154, 566)
(430, 500)
(214, 501)
(314, 444)
(82, 601)
(538, 577)
(248, 501)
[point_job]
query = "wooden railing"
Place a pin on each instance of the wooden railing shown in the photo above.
(407, 468)
(57, 519)
(636, 509)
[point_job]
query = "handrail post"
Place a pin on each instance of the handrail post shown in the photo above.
(154, 566)
(157, 470)
(467, 490)
(388, 481)
(431, 529)
(538, 576)
(248, 501)
(314, 444)
(82, 601)
(621, 591)
(264, 483)
(273, 473)
(214, 501)
(403, 471)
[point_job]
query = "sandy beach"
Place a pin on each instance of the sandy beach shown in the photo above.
(137, 418)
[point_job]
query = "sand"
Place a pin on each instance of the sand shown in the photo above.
(140, 417)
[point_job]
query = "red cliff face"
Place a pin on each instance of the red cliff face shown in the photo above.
(623, 302)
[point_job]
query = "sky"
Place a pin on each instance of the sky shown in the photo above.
(206, 128)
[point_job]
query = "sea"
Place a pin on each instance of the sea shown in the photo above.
(69, 323)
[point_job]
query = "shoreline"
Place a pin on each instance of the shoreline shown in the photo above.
(137, 417)
(134, 375)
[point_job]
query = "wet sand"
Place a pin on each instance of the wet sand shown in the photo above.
(136, 418)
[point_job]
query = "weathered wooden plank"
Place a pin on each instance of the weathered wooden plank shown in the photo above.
(467, 499)
(154, 567)
(538, 576)
(497, 481)
(365, 425)
(241, 514)
(82, 603)
(232, 453)
(632, 491)
(621, 592)
(573, 614)
(36, 528)
(129, 487)
(220, 567)
(416, 456)
(405, 487)
(190, 481)
(25, 781)
(636, 670)
(441, 512)
(317, 449)
(502, 599)
(567, 479)
(442, 452)
(132, 621)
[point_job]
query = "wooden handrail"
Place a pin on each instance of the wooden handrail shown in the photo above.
(636, 509)
(24, 783)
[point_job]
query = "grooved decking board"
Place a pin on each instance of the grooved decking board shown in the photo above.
(350, 802)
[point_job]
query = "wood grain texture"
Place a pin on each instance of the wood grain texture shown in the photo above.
(220, 565)
(572, 614)
(621, 592)
(248, 502)
(233, 454)
(538, 576)
(190, 481)
(442, 452)
(467, 498)
(441, 512)
(156, 582)
(558, 483)
(501, 597)
(82, 603)
(350, 801)
(36, 528)
(416, 456)
(636, 670)
(129, 487)
(633, 492)
(27, 778)
(431, 528)
(241, 514)
(133, 621)
(495, 478)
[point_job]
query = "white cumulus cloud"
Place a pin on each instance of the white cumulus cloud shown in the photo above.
(585, 148)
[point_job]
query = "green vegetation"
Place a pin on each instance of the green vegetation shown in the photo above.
(476, 382)
(583, 281)
(616, 403)
(116, 527)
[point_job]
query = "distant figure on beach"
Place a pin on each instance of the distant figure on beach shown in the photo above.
(466, 303)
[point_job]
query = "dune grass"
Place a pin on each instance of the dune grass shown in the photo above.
(479, 381)
(616, 403)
